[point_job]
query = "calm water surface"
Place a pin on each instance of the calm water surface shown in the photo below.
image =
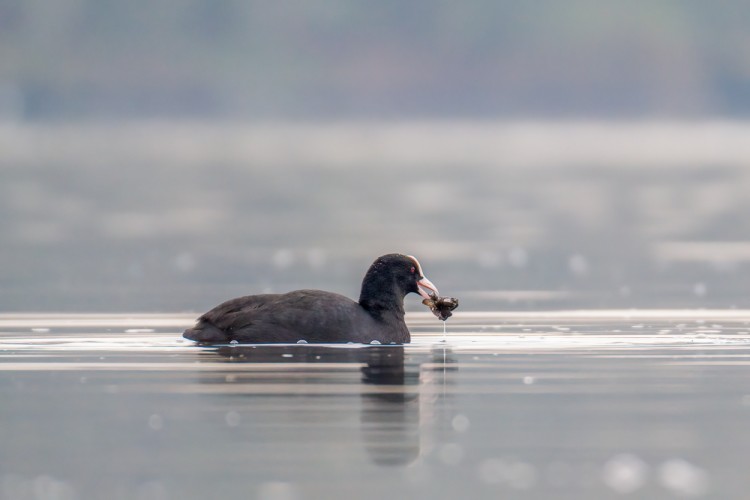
(587, 220)
(576, 404)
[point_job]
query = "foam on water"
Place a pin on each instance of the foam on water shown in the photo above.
(469, 330)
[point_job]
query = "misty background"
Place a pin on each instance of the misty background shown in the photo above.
(165, 155)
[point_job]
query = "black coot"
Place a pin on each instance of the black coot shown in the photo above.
(318, 316)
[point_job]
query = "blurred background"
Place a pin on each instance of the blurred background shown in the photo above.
(165, 155)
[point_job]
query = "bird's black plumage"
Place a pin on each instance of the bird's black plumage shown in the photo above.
(319, 316)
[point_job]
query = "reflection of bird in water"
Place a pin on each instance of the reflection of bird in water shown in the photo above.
(390, 401)
(385, 366)
(390, 415)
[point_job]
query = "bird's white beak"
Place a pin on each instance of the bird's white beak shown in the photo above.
(425, 283)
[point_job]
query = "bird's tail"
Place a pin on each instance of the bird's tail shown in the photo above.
(206, 333)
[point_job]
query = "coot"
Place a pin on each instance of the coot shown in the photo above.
(318, 316)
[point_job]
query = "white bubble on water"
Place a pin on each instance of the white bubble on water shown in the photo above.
(578, 265)
(451, 454)
(316, 258)
(232, 418)
(287, 355)
(528, 380)
(460, 423)
(233, 342)
(184, 262)
(625, 473)
(517, 257)
(156, 422)
(49, 488)
(283, 258)
(683, 478)
(302, 341)
(277, 490)
(375, 342)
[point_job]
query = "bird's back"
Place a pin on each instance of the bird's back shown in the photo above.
(309, 315)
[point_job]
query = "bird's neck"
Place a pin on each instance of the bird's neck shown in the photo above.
(382, 307)
(387, 308)
(382, 302)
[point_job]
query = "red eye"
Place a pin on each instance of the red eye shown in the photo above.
(413, 269)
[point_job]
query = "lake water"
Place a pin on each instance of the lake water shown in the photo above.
(574, 404)
(601, 350)
(174, 216)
